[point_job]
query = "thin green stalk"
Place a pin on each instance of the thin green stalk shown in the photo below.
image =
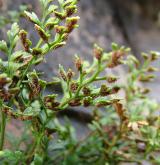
(3, 116)
(3, 126)
(100, 78)
(80, 83)
(39, 43)
(43, 106)
(91, 79)
(68, 89)
(25, 72)
(99, 69)
(9, 58)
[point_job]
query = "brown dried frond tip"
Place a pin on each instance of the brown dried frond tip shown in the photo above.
(121, 111)
(71, 23)
(97, 52)
(86, 102)
(70, 10)
(111, 79)
(78, 63)
(86, 91)
(70, 74)
(104, 90)
(41, 33)
(74, 87)
(4, 80)
(25, 42)
(63, 75)
(116, 56)
(75, 102)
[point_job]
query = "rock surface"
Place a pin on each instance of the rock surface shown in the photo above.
(132, 23)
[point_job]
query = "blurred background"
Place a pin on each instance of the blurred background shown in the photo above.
(133, 23)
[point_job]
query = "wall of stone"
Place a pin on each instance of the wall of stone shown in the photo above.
(132, 23)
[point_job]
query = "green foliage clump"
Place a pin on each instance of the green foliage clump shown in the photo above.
(124, 128)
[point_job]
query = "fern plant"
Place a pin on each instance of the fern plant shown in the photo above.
(125, 128)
